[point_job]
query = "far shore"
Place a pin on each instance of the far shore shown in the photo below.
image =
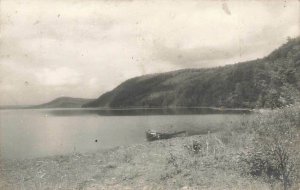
(129, 108)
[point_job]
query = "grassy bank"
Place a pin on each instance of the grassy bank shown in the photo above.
(232, 158)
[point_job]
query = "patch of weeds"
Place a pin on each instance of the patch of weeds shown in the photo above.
(274, 154)
(110, 166)
(196, 147)
(172, 160)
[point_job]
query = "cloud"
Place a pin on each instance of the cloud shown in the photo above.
(240, 36)
(58, 77)
(61, 47)
(192, 56)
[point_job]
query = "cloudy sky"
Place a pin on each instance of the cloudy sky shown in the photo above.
(83, 48)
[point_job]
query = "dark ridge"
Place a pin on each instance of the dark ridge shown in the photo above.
(270, 82)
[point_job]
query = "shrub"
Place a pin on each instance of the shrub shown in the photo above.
(274, 154)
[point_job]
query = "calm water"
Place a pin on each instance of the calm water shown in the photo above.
(37, 133)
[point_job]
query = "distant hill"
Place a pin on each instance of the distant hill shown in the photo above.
(272, 81)
(64, 102)
(15, 106)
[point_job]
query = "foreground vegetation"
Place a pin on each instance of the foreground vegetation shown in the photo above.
(260, 152)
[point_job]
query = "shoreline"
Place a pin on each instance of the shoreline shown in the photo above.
(125, 108)
(147, 165)
(212, 160)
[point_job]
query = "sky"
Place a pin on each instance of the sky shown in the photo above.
(83, 48)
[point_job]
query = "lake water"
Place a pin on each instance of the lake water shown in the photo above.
(43, 132)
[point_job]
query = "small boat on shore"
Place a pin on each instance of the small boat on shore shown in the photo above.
(152, 135)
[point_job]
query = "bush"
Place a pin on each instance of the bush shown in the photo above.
(274, 154)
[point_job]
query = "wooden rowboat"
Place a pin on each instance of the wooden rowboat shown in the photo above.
(153, 135)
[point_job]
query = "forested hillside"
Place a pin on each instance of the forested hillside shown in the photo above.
(269, 82)
(63, 102)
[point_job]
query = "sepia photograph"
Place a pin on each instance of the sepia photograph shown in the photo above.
(149, 94)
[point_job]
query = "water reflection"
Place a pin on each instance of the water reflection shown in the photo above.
(145, 111)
